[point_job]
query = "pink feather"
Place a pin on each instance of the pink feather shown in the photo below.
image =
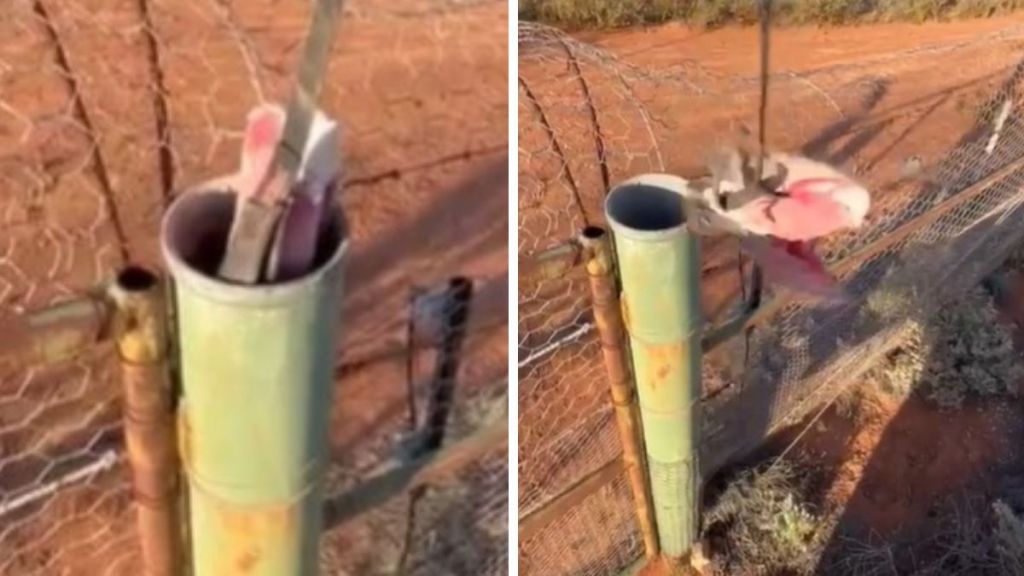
(303, 219)
(817, 201)
(794, 266)
(263, 130)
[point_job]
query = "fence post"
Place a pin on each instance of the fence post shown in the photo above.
(140, 327)
(660, 272)
(604, 296)
(257, 374)
(453, 332)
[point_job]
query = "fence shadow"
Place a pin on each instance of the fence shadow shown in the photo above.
(962, 261)
(470, 220)
(801, 346)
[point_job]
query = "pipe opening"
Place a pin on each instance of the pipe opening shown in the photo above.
(593, 232)
(646, 208)
(196, 231)
(136, 279)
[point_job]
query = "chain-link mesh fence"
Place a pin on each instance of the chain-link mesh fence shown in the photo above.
(108, 108)
(930, 118)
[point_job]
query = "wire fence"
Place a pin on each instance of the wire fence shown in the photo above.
(936, 131)
(108, 109)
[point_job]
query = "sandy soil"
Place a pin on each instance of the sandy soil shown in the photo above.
(866, 99)
(871, 460)
(420, 88)
(896, 470)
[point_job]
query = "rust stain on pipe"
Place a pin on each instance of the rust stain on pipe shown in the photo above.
(247, 530)
(140, 328)
(604, 295)
(662, 358)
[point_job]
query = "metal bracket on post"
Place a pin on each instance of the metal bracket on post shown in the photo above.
(718, 334)
(59, 331)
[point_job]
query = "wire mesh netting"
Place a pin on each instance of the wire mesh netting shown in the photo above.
(109, 108)
(932, 123)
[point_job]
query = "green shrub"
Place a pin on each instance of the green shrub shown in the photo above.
(767, 527)
(963, 352)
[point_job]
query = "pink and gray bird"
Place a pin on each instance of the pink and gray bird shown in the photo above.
(295, 242)
(798, 201)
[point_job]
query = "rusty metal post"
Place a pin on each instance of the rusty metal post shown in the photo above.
(140, 329)
(604, 296)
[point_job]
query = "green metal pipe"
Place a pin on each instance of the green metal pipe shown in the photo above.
(659, 268)
(256, 369)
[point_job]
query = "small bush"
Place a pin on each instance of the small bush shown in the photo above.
(1009, 539)
(977, 541)
(767, 527)
(903, 368)
(828, 11)
(964, 352)
(598, 13)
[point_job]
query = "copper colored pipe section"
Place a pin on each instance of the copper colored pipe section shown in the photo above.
(604, 295)
(140, 328)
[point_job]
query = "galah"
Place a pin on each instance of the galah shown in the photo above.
(295, 241)
(793, 266)
(799, 201)
(295, 247)
(808, 200)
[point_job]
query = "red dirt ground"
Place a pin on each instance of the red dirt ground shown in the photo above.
(421, 92)
(872, 460)
(892, 466)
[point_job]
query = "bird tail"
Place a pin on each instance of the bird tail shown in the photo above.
(795, 267)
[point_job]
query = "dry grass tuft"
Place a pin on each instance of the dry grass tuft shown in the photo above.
(712, 13)
(768, 529)
(964, 352)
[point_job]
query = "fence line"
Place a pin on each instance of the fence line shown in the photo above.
(954, 214)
